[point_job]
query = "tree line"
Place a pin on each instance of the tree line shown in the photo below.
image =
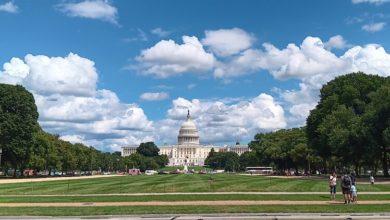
(348, 130)
(26, 146)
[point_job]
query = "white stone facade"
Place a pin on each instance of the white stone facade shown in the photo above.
(192, 155)
(129, 150)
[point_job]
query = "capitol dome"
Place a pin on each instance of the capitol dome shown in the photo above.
(188, 133)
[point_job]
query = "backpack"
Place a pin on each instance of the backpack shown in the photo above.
(346, 182)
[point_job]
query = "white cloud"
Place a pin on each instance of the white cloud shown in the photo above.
(373, 27)
(9, 7)
(293, 61)
(247, 62)
(225, 120)
(93, 9)
(71, 75)
(377, 2)
(73, 138)
(160, 32)
(371, 59)
(167, 58)
(227, 42)
(336, 42)
(69, 104)
(310, 61)
(154, 96)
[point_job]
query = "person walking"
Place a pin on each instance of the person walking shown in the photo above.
(332, 185)
(353, 178)
(346, 184)
(372, 180)
(354, 193)
(353, 183)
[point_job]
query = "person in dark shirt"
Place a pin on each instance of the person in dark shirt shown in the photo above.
(346, 184)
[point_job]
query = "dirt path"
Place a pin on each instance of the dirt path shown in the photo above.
(188, 193)
(187, 203)
(28, 180)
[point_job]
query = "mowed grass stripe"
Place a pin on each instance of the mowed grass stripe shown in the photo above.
(139, 210)
(176, 183)
(38, 199)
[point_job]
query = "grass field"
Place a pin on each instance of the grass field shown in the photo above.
(175, 183)
(145, 198)
(66, 191)
(112, 210)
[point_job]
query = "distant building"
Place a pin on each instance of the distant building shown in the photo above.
(188, 149)
(238, 148)
(129, 150)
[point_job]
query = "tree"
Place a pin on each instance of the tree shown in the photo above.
(337, 128)
(18, 123)
(68, 157)
(148, 149)
(229, 161)
(161, 160)
(280, 148)
(378, 119)
(38, 152)
(249, 159)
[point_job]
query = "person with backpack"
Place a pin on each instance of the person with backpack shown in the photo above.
(346, 184)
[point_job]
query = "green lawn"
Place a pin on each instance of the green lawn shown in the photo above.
(175, 183)
(35, 199)
(28, 192)
(110, 210)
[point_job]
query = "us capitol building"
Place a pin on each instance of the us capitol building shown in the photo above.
(188, 149)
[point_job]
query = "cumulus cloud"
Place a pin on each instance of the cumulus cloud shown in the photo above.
(225, 120)
(309, 60)
(154, 96)
(9, 7)
(373, 27)
(92, 9)
(293, 61)
(336, 42)
(167, 58)
(69, 104)
(227, 42)
(70, 75)
(246, 62)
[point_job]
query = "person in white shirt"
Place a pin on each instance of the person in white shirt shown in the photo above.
(332, 185)
(354, 193)
(372, 180)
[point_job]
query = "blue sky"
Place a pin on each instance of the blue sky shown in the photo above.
(131, 77)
